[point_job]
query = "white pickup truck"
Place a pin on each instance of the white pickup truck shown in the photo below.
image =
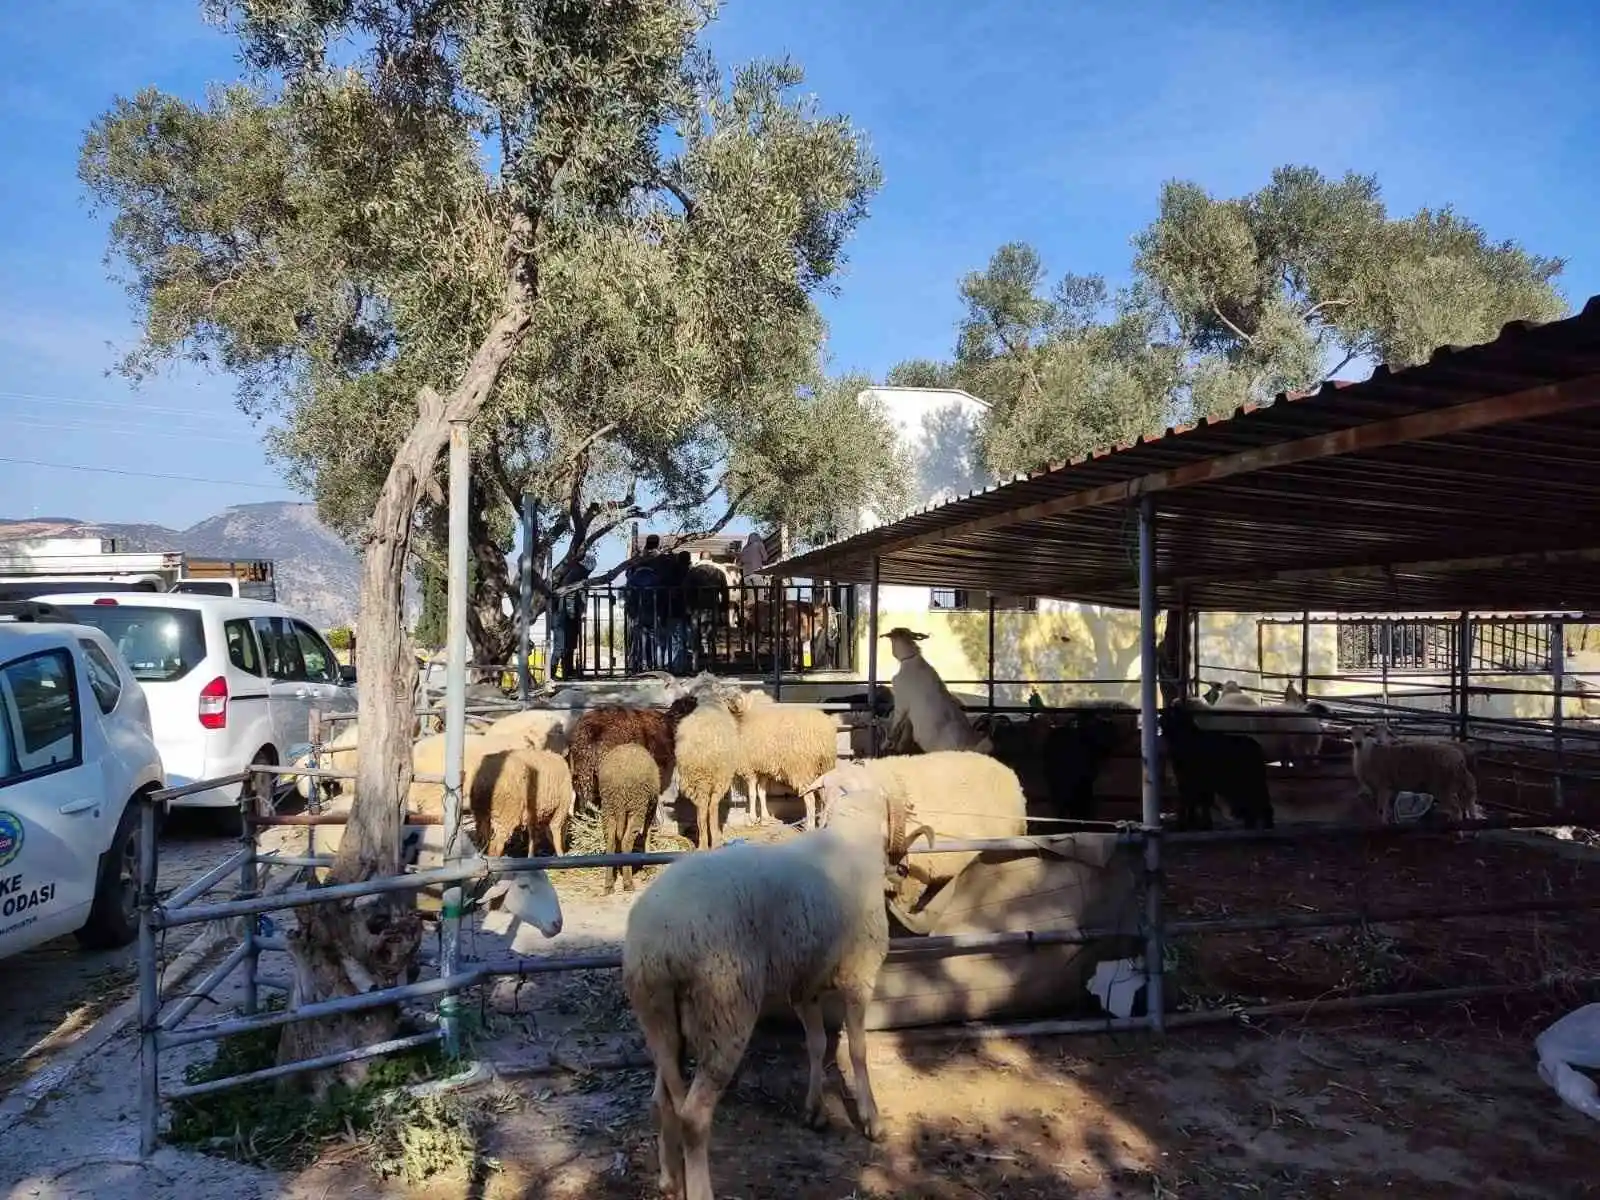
(76, 752)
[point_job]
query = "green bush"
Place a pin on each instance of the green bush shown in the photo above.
(340, 639)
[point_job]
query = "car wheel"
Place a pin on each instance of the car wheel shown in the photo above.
(226, 820)
(114, 916)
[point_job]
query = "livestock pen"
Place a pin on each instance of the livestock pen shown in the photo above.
(1456, 482)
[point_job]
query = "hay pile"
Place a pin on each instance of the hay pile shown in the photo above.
(584, 837)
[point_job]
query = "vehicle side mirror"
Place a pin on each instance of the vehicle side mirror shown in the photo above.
(347, 674)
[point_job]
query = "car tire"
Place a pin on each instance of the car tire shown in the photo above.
(226, 821)
(114, 916)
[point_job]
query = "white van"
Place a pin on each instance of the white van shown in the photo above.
(75, 753)
(230, 682)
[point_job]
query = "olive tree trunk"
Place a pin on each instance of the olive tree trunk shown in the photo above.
(344, 948)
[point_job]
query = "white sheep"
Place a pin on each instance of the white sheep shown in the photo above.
(541, 728)
(709, 754)
(789, 744)
(719, 933)
(484, 761)
(959, 795)
(924, 710)
(337, 754)
(1385, 766)
(1287, 732)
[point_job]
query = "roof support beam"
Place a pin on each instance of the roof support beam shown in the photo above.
(1547, 400)
(1362, 570)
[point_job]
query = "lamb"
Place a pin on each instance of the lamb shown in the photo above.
(709, 754)
(957, 794)
(1208, 762)
(505, 786)
(541, 728)
(1385, 766)
(786, 743)
(599, 729)
(339, 754)
(719, 933)
(630, 780)
(924, 710)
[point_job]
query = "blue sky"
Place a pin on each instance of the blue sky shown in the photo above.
(1015, 119)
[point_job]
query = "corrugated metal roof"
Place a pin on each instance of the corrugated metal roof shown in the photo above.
(1469, 481)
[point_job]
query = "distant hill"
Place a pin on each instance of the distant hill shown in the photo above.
(317, 573)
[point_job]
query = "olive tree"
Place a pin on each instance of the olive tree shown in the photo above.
(554, 220)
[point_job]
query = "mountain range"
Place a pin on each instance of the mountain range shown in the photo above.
(317, 573)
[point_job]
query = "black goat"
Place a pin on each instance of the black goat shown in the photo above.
(1057, 763)
(1209, 763)
(1074, 755)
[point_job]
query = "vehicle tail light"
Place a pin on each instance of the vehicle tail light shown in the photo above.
(106, 600)
(214, 704)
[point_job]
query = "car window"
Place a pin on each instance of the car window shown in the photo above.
(321, 667)
(158, 644)
(279, 648)
(242, 651)
(104, 680)
(40, 701)
(205, 587)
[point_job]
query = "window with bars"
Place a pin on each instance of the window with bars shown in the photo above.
(962, 600)
(1511, 647)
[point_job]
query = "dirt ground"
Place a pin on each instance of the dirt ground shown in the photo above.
(1449, 1107)
(1434, 1102)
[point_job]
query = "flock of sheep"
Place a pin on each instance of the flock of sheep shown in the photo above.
(699, 956)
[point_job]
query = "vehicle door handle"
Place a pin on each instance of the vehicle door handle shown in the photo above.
(77, 806)
(302, 693)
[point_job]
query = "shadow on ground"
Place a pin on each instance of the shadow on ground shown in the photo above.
(1447, 1105)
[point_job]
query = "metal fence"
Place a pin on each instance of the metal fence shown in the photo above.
(163, 1027)
(616, 630)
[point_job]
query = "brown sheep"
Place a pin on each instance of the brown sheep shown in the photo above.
(600, 729)
(630, 782)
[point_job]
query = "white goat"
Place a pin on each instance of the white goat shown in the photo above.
(924, 710)
(718, 933)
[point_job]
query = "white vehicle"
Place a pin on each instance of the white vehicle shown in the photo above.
(230, 682)
(76, 751)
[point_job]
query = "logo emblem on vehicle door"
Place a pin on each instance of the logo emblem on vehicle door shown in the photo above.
(10, 837)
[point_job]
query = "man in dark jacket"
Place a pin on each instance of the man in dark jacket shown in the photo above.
(568, 618)
(642, 605)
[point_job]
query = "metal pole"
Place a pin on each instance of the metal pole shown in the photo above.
(149, 985)
(1463, 698)
(247, 884)
(872, 657)
(455, 723)
(1194, 653)
(1383, 658)
(777, 638)
(1305, 653)
(1150, 752)
(1181, 670)
(1558, 672)
(525, 597)
(991, 653)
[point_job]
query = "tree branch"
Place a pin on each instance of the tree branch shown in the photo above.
(1320, 305)
(1234, 329)
(691, 207)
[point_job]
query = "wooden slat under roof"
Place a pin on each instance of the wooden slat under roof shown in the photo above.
(1471, 481)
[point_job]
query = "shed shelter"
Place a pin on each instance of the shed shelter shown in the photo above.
(1471, 481)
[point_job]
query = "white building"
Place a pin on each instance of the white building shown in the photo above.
(939, 429)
